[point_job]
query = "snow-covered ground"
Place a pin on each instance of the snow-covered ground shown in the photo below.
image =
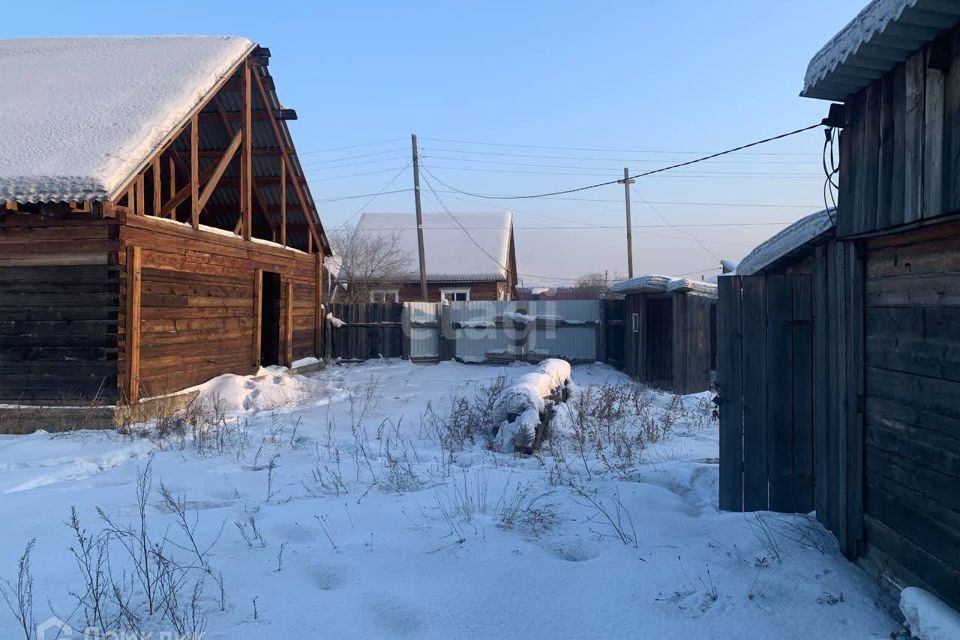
(342, 506)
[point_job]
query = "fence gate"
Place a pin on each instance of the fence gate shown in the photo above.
(364, 331)
(765, 376)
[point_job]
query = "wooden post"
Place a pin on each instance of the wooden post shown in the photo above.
(626, 199)
(246, 159)
(141, 205)
(416, 202)
(283, 203)
(132, 345)
(257, 314)
(156, 187)
(172, 177)
(318, 307)
(195, 171)
(288, 325)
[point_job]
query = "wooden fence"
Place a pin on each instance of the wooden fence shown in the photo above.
(355, 332)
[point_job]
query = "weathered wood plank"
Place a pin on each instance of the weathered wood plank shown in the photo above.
(753, 315)
(778, 381)
(729, 381)
(914, 137)
(132, 345)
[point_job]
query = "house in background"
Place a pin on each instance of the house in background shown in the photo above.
(460, 267)
(156, 227)
(856, 331)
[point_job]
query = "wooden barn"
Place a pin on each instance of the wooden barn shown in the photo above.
(886, 315)
(669, 331)
(156, 227)
(459, 267)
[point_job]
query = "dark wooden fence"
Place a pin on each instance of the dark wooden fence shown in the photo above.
(765, 342)
(614, 322)
(364, 331)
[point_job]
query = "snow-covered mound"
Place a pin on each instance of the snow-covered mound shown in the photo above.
(270, 388)
(927, 617)
(518, 411)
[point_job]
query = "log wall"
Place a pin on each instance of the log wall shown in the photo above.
(199, 303)
(912, 407)
(58, 309)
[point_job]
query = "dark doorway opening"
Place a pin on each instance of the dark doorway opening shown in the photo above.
(659, 341)
(270, 315)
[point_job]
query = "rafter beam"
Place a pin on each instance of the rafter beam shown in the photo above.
(246, 160)
(281, 143)
(218, 170)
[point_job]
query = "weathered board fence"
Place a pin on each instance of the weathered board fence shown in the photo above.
(355, 332)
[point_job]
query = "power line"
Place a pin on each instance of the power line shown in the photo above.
(353, 164)
(639, 175)
(682, 174)
(561, 166)
(370, 201)
(474, 241)
(535, 146)
(618, 160)
(362, 195)
(353, 175)
(662, 217)
(351, 157)
(352, 146)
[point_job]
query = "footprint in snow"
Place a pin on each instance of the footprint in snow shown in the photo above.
(393, 617)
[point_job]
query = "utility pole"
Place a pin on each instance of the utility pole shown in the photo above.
(416, 198)
(627, 181)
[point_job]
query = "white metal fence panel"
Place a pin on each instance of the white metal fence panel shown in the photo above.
(421, 325)
(564, 329)
(478, 330)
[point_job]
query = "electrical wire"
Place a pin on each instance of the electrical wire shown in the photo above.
(616, 159)
(375, 196)
(634, 190)
(829, 186)
(639, 175)
(535, 146)
(352, 146)
(676, 174)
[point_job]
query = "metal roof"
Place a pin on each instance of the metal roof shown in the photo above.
(882, 36)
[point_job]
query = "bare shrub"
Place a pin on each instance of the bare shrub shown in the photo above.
(608, 512)
(18, 594)
(471, 415)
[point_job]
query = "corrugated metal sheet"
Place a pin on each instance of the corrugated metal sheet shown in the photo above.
(882, 36)
(575, 338)
(424, 341)
(478, 339)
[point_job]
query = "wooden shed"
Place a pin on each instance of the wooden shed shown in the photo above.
(156, 228)
(670, 331)
(886, 397)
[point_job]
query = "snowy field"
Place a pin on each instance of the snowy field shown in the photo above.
(364, 502)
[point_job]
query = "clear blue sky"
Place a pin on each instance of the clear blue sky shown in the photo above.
(654, 78)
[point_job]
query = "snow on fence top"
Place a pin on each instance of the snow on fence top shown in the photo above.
(642, 284)
(883, 35)
(683, 285)
(78, 116)
(786, 242)
(662, 284)
(451, 255)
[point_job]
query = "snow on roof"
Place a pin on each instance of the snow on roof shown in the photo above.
(451, 255)
(786, 242)
(648, 283)
(78, 116)
(684, 285)
(652, 283)
(884, 34)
